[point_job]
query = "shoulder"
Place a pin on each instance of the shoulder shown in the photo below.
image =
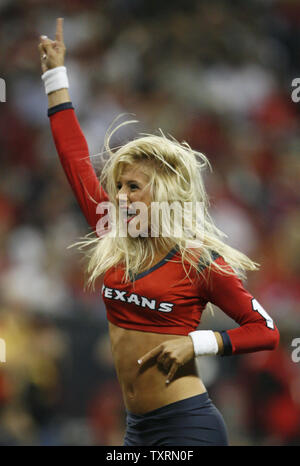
(217, 274)
(207, 263)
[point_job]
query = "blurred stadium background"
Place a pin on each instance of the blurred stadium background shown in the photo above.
(215, 73)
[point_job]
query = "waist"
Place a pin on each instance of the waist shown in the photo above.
(177, 407)
(145, 388)
(150, 391)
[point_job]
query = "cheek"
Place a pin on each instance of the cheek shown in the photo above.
(144, 197)
(147, 197)
(148, 200)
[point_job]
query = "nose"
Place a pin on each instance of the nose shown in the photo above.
(122, 197)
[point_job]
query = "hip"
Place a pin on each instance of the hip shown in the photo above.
(190, 421)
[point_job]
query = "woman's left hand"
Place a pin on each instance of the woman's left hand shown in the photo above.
(171, 355)
(53, 52)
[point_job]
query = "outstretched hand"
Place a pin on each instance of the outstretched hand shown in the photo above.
(52, 52)
(170, 355)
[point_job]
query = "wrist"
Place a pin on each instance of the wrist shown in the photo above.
(55, 79)
(58, 97)
(204, 342)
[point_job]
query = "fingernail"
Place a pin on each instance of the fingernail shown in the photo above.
(139, 361)
(44, 37)
(167, 381)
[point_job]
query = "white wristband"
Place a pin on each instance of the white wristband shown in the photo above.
(55, 79)
(204, 342)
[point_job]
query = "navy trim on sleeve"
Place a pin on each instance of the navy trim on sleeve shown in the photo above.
(226, 343)
(59, 107)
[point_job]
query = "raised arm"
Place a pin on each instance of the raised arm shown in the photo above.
(69, 139)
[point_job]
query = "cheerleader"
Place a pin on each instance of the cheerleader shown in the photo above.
(156, 286)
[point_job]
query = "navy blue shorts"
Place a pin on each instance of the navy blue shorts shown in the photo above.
(193, 421)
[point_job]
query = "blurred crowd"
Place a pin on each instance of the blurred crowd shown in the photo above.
(216, 74)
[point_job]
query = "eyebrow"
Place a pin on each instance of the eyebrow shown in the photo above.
(129, 181)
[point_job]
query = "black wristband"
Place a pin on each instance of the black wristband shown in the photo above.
(59, 108)
(226, 343)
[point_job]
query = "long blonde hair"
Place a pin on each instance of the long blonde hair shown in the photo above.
(175, 173)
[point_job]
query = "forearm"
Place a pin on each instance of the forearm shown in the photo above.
(256, 330)
(58, 97)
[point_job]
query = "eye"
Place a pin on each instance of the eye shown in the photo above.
(133, 186)
(119, 186)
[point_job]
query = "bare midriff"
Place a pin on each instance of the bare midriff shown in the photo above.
(144, 388)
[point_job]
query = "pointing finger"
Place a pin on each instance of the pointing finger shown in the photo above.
(59, 35)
